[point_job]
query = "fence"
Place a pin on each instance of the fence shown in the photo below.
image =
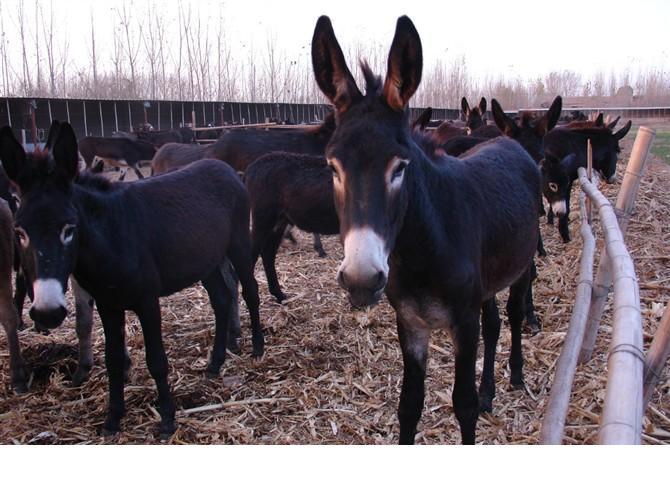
(91, 117)
(623, 409)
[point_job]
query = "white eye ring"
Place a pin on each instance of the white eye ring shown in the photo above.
(67, 234)
(553, 187)
(24, 240)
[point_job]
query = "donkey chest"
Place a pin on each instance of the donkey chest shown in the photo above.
(424, 312)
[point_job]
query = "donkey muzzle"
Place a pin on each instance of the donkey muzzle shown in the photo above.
(364, 270)
(48, 309)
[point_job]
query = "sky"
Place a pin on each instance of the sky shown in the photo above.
(513, 38)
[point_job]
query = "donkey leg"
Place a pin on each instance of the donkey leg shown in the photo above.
(540, 246)
(234, 329)
(529, 307)
(113, 321)
(84, 326)
(550, 216)
(20, 297)
(269, 255)
(138, 173)
(414, 346)
(149, 314)
(490, 334)
(563, 221)
(10, 320)
(239, 255)
(515, 314)
(220, 297)
(465, 399)
(318, 246)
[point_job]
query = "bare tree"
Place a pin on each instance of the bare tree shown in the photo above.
(48, 32)
(132, 46)
(26, 83)
(4, 60)
(151, 44)
(94, 55)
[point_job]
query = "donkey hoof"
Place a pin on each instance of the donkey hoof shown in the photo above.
(321, 253)
(212, 371)
(109, 431)
(257, 353)
(79, 378)
(234, 346)
(566, 238)
(279, 297)
(485, 405)
(166, 431)
(517, 383)
(20, 388)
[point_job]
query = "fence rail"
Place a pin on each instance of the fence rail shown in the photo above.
(623, 409)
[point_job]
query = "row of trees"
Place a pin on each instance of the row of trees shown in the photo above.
(162, 53)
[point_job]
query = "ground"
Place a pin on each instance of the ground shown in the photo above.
(331, 375)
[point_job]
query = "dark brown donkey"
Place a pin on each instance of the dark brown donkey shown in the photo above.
(474, 117)
(128, 244)
(240, 147)
(441, 238)
(119, 152)
(172, 156)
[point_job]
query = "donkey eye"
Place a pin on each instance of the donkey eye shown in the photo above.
(399, 169)
(553, 187)
(67, 234)
(333, 169)
(22, 236)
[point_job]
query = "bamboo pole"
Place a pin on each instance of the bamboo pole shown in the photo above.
(657, 356)
(561, 388)
(621, 421)
(624, 207)
(589, 171)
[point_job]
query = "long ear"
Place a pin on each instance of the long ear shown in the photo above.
(12, 155)
(465, 107)
(330, 69)
(482, 106)
(504, 123)
(53, 134)
(65, 151)
(623, 131)
(599, 121)
(423, 120)
(404, 66)
(550, 119)
(612, 125)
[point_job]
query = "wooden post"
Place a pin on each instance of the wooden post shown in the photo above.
(589, 170)
(621, 420)
(553, 423)
(83, 101)
(624, 207)
(102, 122)
(657, 356)
(193, 117)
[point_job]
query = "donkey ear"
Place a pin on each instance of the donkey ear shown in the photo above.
(53, 134)
(405, 65)
(482, 105)
(330, 69)
(465, 107)
(504, 123)
(423, 120)
(65, 151)
(599, 121)
(623, 131)
(550, 119)
(612, 125)
(12, 155)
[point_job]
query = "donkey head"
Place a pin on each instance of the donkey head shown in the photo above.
(606, 150)
(556, 176)
(474, 117)
(531, 130)
(369, 153)
(46, 221)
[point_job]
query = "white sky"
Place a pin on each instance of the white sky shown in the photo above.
(513, 38)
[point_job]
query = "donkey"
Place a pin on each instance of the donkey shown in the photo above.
(558, 145)
(440, 237)
(83, 306)
(118, 152)
(474, 117)
(128, 245)
(172, 156)
(8, 316)
(240, 147)
(288, 189)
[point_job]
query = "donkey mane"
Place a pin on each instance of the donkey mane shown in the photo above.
(373, 82)
(527, 118)
(94, 182)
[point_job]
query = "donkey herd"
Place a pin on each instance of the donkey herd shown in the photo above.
(440, 219)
